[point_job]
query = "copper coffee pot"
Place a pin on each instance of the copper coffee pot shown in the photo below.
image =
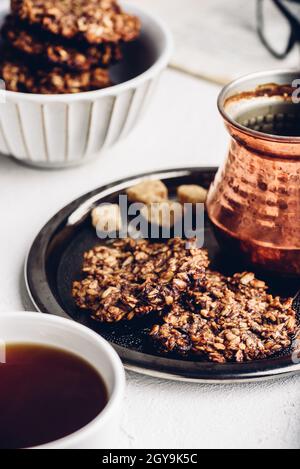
(254, 202)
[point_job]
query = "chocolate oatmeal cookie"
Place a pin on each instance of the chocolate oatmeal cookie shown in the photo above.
(48, 48)
(197, 312)
(95, 21)
(27, 78)
(227, 319)
(132, 278)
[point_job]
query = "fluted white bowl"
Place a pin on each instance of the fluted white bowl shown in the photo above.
(53, 131)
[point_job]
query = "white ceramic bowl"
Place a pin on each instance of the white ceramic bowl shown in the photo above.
(61, 130)
(36, 328)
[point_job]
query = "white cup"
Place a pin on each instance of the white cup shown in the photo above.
(36, 328)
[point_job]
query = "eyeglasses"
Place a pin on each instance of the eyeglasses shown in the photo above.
(286, 10)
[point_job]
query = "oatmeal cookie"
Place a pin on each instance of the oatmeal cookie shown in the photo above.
(132, 278)
(48, 48)
(228, 319)
(192, 194)
(95, 21)
(27, 78)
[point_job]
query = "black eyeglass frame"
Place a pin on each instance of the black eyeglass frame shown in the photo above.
(293, 21)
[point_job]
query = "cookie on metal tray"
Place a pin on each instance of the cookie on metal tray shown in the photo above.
(227, 319)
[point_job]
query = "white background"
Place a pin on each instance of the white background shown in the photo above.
(182, 128)
(217, 39)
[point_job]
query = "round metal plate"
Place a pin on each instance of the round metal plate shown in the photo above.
(55, 259)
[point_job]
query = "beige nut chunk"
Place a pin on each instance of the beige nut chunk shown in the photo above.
(107, 218)
(165, 214)
(192, 194)
(147, 192)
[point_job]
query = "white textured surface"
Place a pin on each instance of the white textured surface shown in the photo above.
(182, 128)
(217, 39)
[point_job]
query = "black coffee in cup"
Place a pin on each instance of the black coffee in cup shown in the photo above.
(46, 394)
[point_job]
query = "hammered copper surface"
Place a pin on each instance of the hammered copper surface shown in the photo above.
(254, 202)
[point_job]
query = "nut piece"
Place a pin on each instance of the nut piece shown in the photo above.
(130, 278)
(165, 214)
(107, 218)
(192, 194)
(147, 192)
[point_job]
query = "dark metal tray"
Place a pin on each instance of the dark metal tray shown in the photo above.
(55, 259)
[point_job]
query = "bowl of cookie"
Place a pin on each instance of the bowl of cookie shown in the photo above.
(76, 76)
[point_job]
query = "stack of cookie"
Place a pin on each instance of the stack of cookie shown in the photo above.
(63, 46)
